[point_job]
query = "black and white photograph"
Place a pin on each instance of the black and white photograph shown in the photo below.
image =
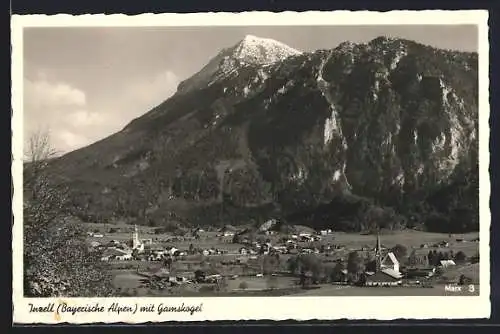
(270, 160)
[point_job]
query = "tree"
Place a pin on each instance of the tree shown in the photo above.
(440, 257)
(306, 263)
(306, 278)
(355, 265)
(221, 285)
(57, 262)
(460, 257)
(400, 252)
(270, 264)
(135, 253)
(362, 279)
(272, 282)
(243, 285)
(371, 265)
(336, 274)
(413, 259)
(199, 276)
(430, 258)
(451, 255)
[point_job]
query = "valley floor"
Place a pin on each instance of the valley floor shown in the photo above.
(129, 275)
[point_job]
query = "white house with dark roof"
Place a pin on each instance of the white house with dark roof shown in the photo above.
(446, 263)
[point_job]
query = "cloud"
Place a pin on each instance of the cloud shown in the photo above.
(150, 92)
(61, 109)
(74, 122)
(45, 94)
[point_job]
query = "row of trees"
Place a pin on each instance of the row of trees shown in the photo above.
(434, 257)
(310, 268)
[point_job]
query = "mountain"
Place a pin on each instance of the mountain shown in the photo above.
(250, 50)
(382, 133)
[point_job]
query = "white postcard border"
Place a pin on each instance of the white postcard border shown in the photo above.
(253, 308)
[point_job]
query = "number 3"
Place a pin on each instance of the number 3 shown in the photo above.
(471, 288)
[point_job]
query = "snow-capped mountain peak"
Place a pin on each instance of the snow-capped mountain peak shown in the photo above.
(251, 50)
(257, 50)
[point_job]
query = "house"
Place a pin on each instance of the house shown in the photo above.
(177, 280)
(243, 251)
(147, 241)
(179, 253)
(443, 244)
(114, 253)
(446, 263)
(306, 250)
(420, 273)
(241, 260)
(124, 257)
(306, 238)
(280, 249)
(212, 277)
(98, 235)
(205, 252)
(344, 274)
(171, 250)
(418, 261)
(265, 248)
(95, 244)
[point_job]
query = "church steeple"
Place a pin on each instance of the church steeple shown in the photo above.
(135, 238)
(378, 252)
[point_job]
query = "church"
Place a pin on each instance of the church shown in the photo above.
(138, 243)
(387, 273)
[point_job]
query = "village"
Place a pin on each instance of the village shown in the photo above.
(270, 261)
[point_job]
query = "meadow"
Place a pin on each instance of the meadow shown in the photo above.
(345, 290)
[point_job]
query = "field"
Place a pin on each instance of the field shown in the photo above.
(129, 280)
(409, 238)
(437, 290)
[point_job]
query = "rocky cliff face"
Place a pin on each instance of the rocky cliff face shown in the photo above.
(390, 122)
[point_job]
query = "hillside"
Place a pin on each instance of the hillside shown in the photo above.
(362, 134)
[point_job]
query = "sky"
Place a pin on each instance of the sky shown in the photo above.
(83, 84)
